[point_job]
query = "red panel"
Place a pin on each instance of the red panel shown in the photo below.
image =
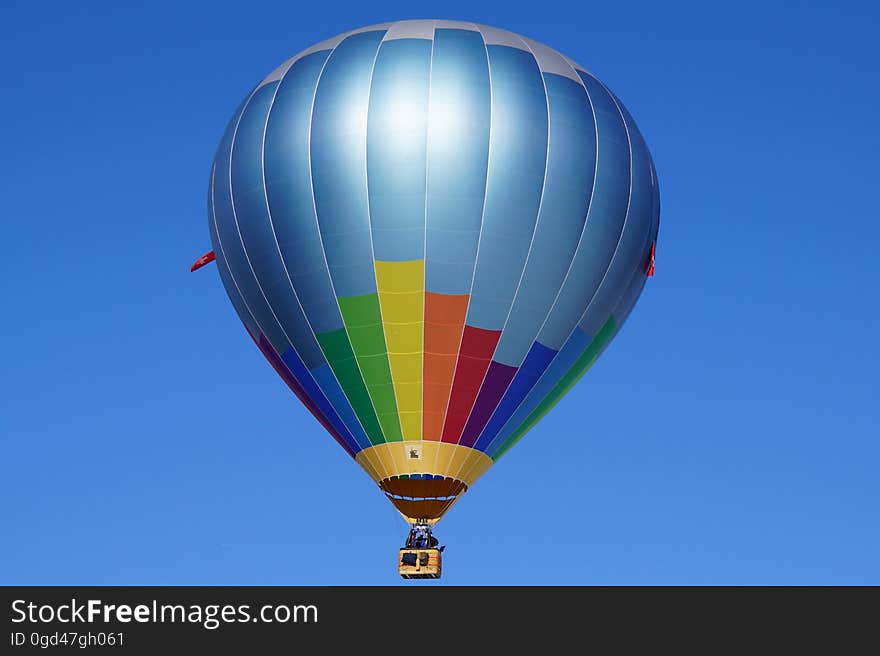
(479, 343)
(477, 347)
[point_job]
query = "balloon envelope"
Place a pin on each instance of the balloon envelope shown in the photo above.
(431, 230)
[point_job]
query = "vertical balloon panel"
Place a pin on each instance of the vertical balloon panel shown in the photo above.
(396, 162)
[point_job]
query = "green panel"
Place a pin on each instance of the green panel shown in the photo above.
(362, 317)
(360, 310)
(338, 351)
(375, 369)
(368, 340)
(383, 393)
(572, 376)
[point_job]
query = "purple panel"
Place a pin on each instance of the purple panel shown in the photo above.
(536, 362)
(497, 379)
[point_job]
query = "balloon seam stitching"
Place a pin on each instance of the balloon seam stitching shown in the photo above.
(323, 249)
(525, 266)
(248, 258)
(479, 239)
(425, 236)
(372, 248)
(284, 264)
(573, 257)
(610, 262)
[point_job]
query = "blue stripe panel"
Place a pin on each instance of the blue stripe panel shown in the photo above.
(571, 163)
(517, 158)
(537, 360)
(563, 361)
(259, 240)
(289, 192)
(325, 405)
(256, 232)
(232, 253)
(339, 167)
(626, 273)
(237, 279)
(254, 330)
(396, 136)
(222, 267)
(604, 222)
(458, 149)
(231, 290)
(634, 241)
(327, 380)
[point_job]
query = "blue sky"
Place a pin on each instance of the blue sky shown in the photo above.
(731, 429)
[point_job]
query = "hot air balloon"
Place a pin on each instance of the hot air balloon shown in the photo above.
(431, 229)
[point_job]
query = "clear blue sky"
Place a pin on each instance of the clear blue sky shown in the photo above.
(731, 428)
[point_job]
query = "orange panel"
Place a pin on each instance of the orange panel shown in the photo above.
(438, 374)
(444, 323)
(446, 308)
(439, 370)
(432, 422)
(442, 338)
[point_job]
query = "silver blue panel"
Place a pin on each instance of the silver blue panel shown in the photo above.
(396, 144)
(604, 222)
(570, 170)
(517, 160)
(290, 196)
(339, 163)
(458, 150)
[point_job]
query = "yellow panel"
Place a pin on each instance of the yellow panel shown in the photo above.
(460, 463)
(398, 454)
(479, 467)
(400, 276)
(444, 455)
(406, 368)
(411, 424)
(473, 467)
(384, 456)
(402, 308)
(375, 454)
(456, 461)
(409, 397)
(429, 455)
(441, 458)
(381, 462)
(368, 459)
(402, 302)
(405, 338)
(368, 467)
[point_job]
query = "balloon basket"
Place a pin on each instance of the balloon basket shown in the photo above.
(419, 563)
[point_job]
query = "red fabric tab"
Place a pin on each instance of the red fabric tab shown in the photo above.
(203, 260)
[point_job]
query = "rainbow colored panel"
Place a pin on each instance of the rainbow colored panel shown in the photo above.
(432, 229)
